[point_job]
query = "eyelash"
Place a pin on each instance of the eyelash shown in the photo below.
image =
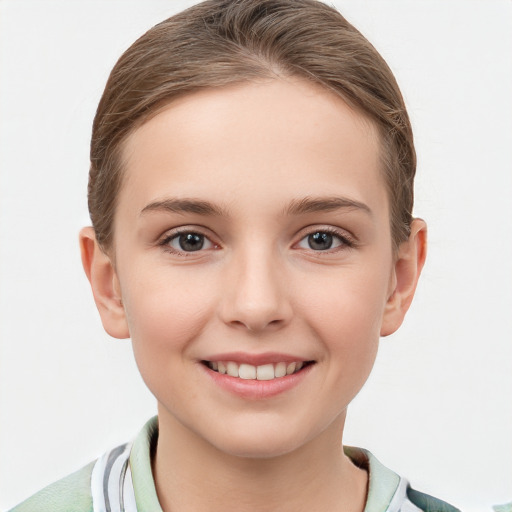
(165, 242)
(346, 241)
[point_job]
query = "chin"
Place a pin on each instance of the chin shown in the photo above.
(258, 442)
(258, 450)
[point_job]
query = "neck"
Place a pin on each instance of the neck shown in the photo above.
(191, 474)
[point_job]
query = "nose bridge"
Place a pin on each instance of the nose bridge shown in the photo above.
(256, 296)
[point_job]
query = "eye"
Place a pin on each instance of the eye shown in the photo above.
(187, 241)
(323, 241)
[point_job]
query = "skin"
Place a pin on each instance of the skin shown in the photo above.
(254, 152)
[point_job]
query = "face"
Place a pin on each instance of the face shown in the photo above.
(252, 237)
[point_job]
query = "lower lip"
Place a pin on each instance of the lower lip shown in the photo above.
(258, 389)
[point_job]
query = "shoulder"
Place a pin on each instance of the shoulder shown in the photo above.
(428, 503)
(71, 494)
(107, 483)
(389, 492)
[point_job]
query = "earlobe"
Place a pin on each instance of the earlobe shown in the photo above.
(104, 284)
(407, 269)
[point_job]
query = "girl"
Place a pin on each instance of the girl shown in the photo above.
(251, 196)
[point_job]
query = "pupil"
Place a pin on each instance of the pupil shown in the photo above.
(320, 241)
(191, 242)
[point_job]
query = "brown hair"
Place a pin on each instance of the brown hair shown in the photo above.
(220, 42)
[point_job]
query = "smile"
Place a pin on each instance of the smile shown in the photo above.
(262, 372)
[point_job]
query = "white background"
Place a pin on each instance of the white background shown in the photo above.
(438, 406)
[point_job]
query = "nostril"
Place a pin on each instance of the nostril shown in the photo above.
(255, 326)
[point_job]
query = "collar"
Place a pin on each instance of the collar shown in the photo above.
(386, 490)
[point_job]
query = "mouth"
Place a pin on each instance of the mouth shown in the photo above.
(270, 371)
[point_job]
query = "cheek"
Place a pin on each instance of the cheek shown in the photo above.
(350, 302)
(346, 315)
(351, 327)
(157, 296)
(165, 313)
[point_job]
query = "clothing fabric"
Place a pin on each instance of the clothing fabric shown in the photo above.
(122, 481)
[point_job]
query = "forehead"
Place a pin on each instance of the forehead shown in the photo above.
(258, 142)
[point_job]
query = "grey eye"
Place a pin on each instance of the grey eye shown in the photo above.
(321, 241)
(190, 242)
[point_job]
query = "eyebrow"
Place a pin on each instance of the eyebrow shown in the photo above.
(296, 207)
(185, 205)
(325, 204)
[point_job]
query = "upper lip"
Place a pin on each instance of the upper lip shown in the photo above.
(256, 359)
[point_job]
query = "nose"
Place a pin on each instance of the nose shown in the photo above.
(255, 296)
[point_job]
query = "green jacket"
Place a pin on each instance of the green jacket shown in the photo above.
(127, 470)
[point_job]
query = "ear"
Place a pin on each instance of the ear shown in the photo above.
(105, 285)
(406, 272)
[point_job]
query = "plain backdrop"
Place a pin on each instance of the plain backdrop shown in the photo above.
(438, 406)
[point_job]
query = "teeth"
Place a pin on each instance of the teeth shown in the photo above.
(265, 372)
(232, 369)
(247, 371)
(250, 372)
(280, 369)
